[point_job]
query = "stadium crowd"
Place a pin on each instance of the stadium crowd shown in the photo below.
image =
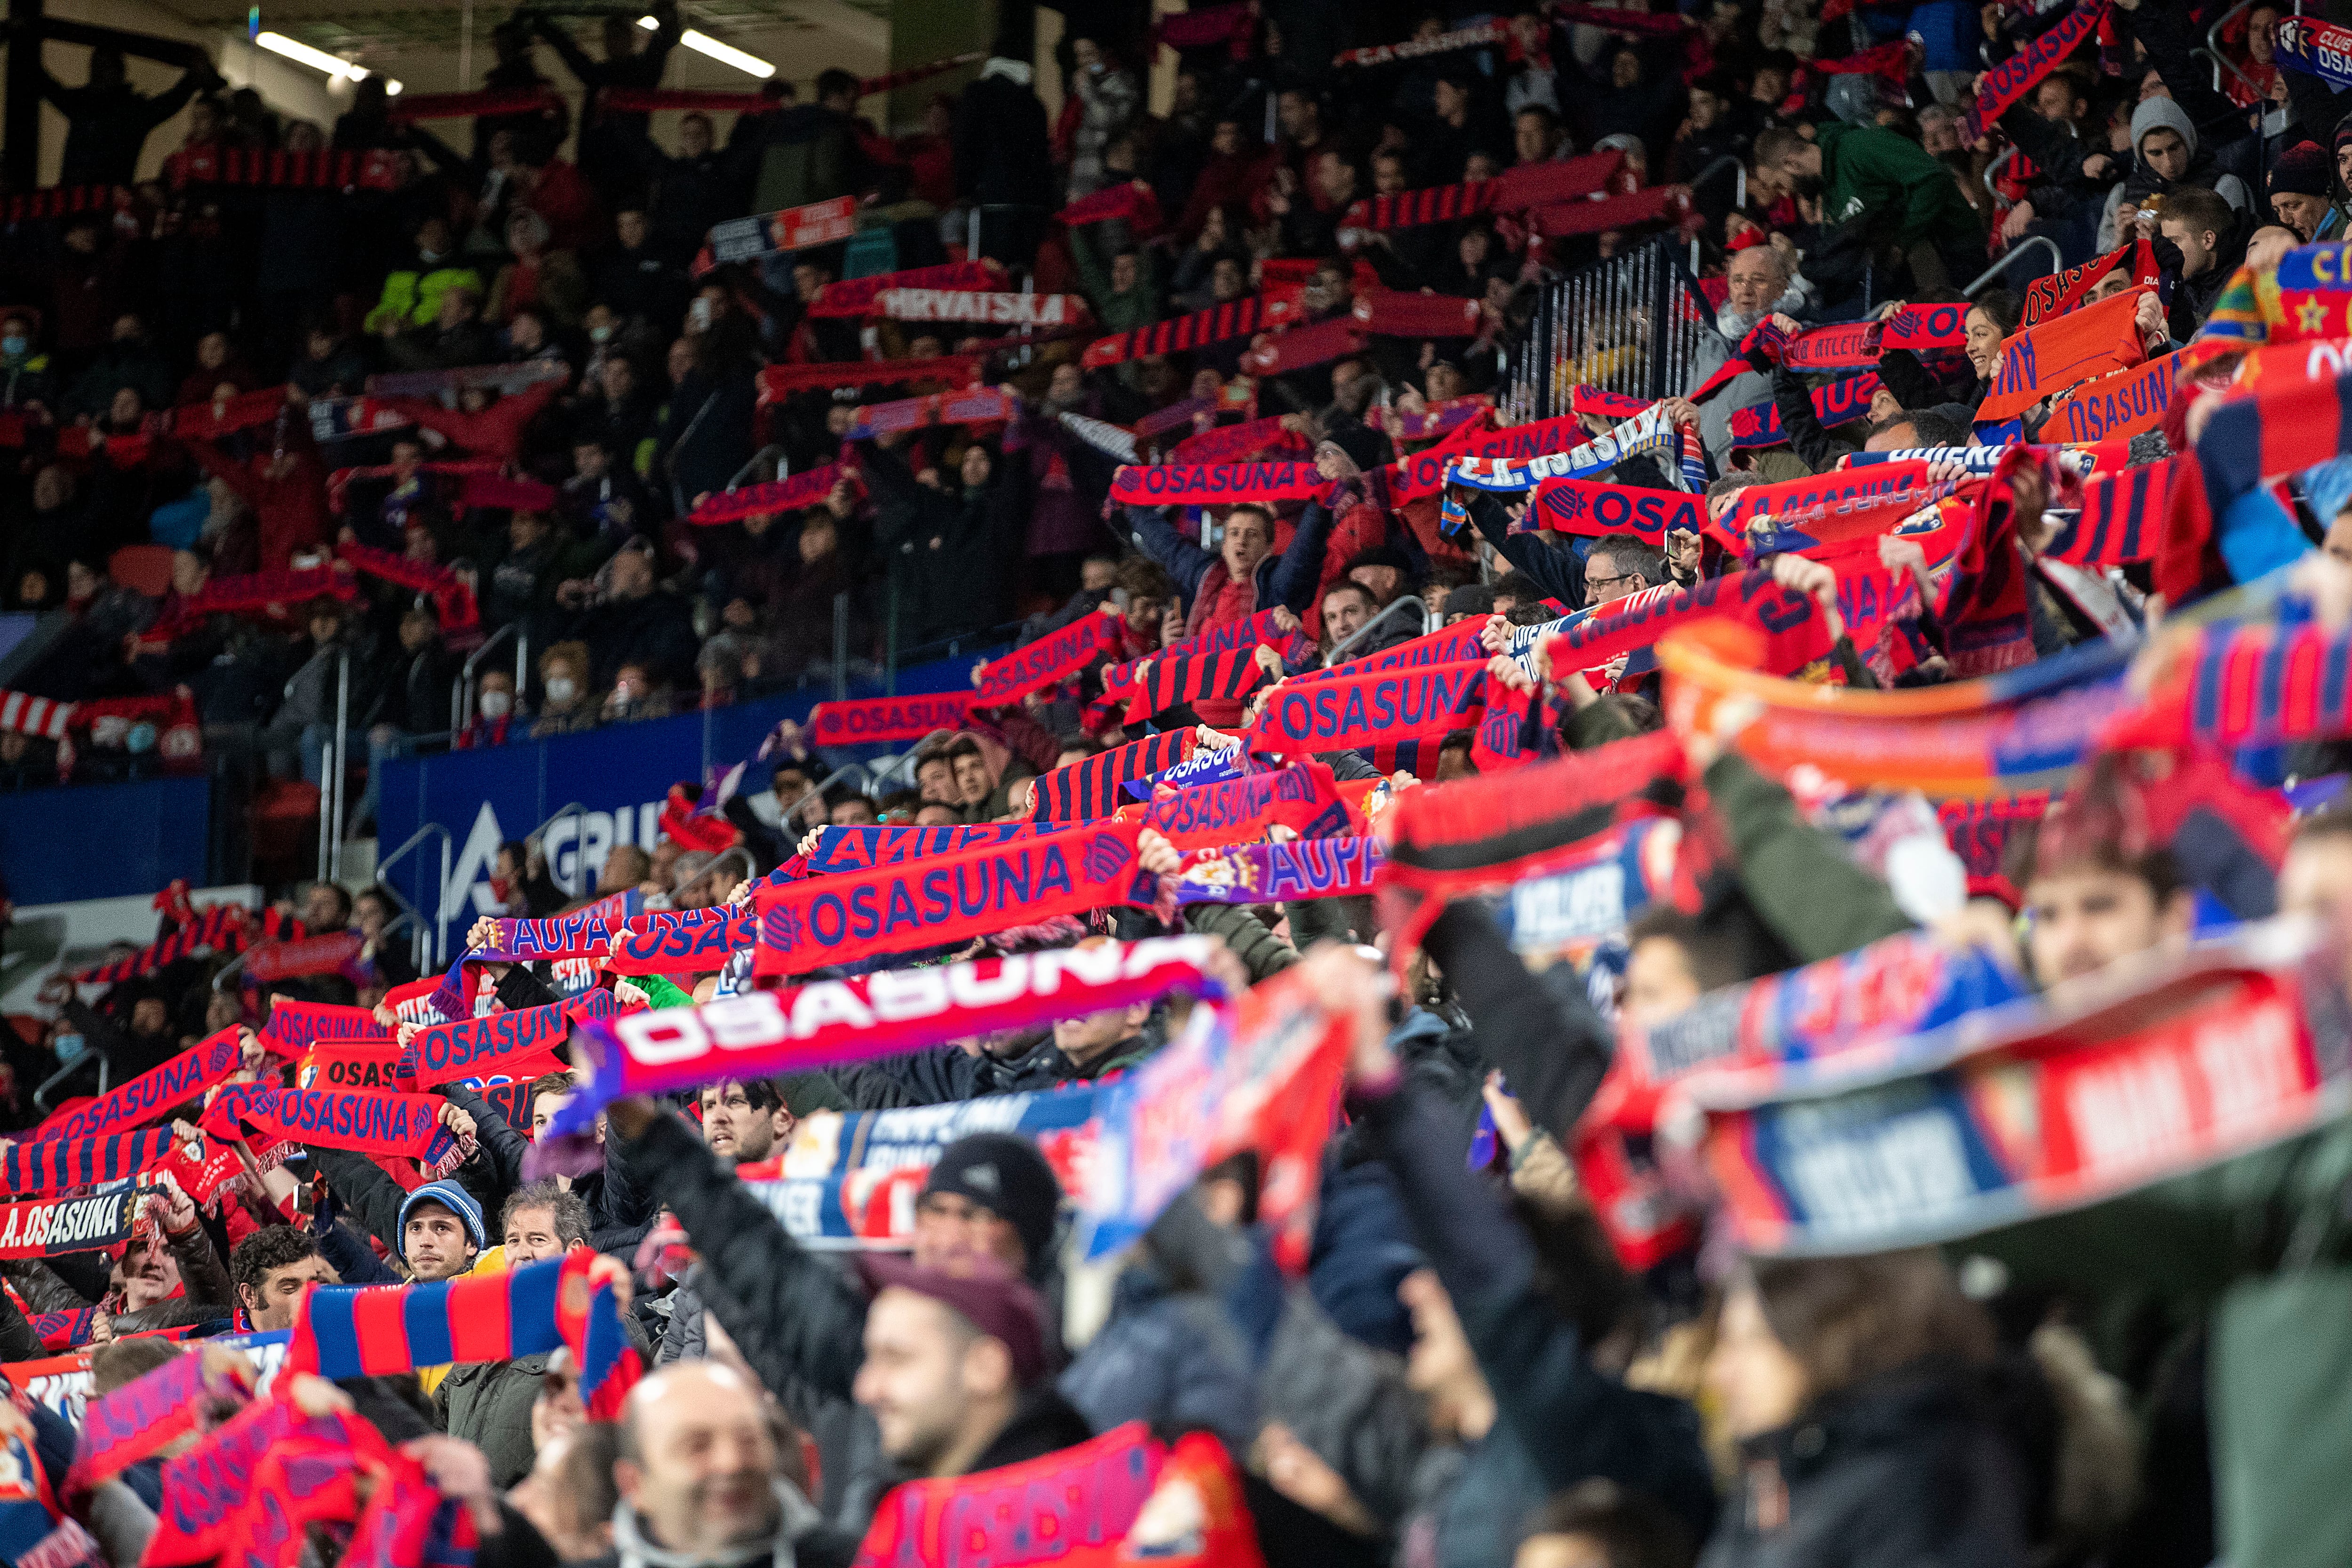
(1568, 971)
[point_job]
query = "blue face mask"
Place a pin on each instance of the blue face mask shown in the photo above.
(12, 345)
(68, 1046)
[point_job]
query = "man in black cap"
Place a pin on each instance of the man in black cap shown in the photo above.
(2299, 183)
(955, 1370)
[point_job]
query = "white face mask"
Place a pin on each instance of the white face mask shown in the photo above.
(497, 704)
(562, 689)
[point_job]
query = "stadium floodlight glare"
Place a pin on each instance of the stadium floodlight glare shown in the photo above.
(702, 43)
(317, 59)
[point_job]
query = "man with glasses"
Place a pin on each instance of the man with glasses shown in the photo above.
(1617, 567)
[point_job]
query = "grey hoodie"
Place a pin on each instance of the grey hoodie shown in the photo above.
(2163, 113)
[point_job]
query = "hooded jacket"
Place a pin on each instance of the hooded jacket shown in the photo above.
(2163, 115)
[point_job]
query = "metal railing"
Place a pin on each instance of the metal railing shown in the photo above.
(461, 690)
(577, 813)
(680, 875)
(2009, 260)
(1739, 194)
(430, 947)
(1633, 325)
(1340, 652)
(105, 1072)
(332, 761)
(1992, 172)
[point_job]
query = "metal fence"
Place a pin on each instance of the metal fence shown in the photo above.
(1634, 324)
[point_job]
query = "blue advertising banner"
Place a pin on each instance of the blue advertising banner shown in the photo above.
(593, 790)
(103, 841)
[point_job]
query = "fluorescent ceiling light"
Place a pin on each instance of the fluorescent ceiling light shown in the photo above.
(702, 43)
(391, 88)
(317, 59)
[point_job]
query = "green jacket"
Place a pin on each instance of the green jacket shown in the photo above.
(1894, 186)
(1799, 880)
(488, 1404)
(1131, 312)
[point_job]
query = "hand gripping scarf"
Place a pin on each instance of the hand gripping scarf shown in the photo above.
(780, 495)
(1093, 789)
(855, 297)
(973, 892)
(2157, 1066)
(1351, 711)
(2042, 361)
(1650, 431)
(48, 1227)
(877, 720)
(470, 1048)
(1199, 768)
(1262, 1074)
(1591, 509)
(2007, 84)
(1303, 797)
(1837, 402)
(2001, 736)
(382, 1331)
(53, 1164)
(402, 1126)
(2055, 296)
(829, 1022)
(1051, 660)
(151, 1094)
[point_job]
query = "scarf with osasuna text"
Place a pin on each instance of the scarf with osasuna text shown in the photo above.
(1492, 831)
(144, 1415)
(1050, 660)
(829, 1022)
(2055, 296)
(1129, 199)
(951, 899)
(861, 848)
(53, 1165)
(1217, 324)
(1591, 508)
(2318, 49)
(406, 1126)
(1909, 1146)
(337, 953)
(472, 1047)
(970, 406)
(855, 296)
(873, 720)
(778, 495)
(152, 1093)
(783, 380)
(1256, 440)
(1790, 625)
(1351, 711)
(1093, 789)
(1230, 676)
(1303, 797)
(382, 1331)
(684, 942)
(371, 1065)
(2112, 407)
(45, 1227)
(294, 1025)
(1836, 403)
(2005, 85)
(1201, 767)
(2042, 361)
(1527, 185)
(221, 928)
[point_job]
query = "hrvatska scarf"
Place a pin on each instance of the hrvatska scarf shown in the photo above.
(1347, 711)
(2044, 361)
(151, 1094)
(982, 308)
(853, 297)
(874, 721)
(2055, 296)
(830, 1022)
(952, 899)
(1302, 797)
(2007, 84)
(805, 489)
(1051, 660)
(1093, 789)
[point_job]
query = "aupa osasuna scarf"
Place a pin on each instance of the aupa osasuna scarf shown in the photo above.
(683, 942)
(2150, 1071)
(583, 933)
(973, 892)
(861, 848)
(829, 1022)
(152, 1093)
(1051, 659)
(1334, 868)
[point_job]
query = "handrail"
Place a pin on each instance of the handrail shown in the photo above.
(2057, 258)
(1994, 168)
(679, 878)
(461, 690)
(2213, 33)
(231, 967)
(578, 812)
(430, 940)
(1365, 630)
(40, 1095)
(2221, 62)
(1738, 192)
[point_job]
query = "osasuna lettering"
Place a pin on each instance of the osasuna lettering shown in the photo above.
(453, 1048)
(1396, 703)
(696, 940)
(66, 1225)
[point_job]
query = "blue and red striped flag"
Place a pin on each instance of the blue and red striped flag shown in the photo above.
(1089, 789)
(2122, 519)
(53, 1165)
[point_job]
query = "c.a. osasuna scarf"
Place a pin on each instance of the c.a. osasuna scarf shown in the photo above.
(855, 296)
(1051, 659)
(1093, 789)
(152, 1093)
(1838, 488)
(583, 933)
(1350, 710)
(53, 1164)
(1501, 470)
(2318, 49)
(873, 721)
(1302, 797)
(1477, 35)
(43, 1227)
(973, 892)
(2056, 295)
(293, 1024)
(1217, 324)
(220, 927)
(1789, 627)
(405, 1126)
(800, 490)
(2243, 1042)
(829, 1022)
(2007, 84)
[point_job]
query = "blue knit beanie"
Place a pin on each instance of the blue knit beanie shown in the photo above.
(453, 1198)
